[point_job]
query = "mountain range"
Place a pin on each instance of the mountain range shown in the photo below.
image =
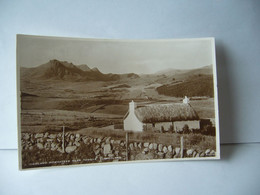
(63, 70)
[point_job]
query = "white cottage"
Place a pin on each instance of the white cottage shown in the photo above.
(163, 117)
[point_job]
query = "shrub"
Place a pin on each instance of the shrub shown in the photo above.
(196, 131)
(186, 129)
(208, 130)
(170, 130)
(195, 139)
(162, 129)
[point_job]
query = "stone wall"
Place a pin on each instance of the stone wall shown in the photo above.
(103, 149)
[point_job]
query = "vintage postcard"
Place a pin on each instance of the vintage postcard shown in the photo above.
(85, 101)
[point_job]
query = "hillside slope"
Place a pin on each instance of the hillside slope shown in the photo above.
(200, 85)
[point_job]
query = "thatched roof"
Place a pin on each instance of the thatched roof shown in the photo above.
(166, 113)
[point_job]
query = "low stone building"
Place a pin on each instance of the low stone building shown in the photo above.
(161, 117)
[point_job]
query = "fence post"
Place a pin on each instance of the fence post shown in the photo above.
(63, 137)
(181, 146)
(126, 143)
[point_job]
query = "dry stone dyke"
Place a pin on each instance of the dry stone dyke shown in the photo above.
(207, 152)
(155, 146)
(146, 144)
(70, 149)
(165, 150)
(104, 148)
(107, 149)
(189, 152)
(160, 147)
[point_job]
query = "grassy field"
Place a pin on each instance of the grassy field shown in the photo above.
(41, 114)
(91, 113)
(204, 108)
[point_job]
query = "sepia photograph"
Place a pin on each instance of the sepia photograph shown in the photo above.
(95, 101)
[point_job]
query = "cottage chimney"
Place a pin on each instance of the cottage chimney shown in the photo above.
(131, 106)
(186, 100)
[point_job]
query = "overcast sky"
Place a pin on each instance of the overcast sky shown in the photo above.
(111, 56)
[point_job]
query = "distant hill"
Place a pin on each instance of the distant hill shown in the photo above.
(84, 67)
(95, 69)
(206, 70)
(173, 76)
(186, 73)
(200, 85)
(170, 71)
(63, 70)
(129, 76)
